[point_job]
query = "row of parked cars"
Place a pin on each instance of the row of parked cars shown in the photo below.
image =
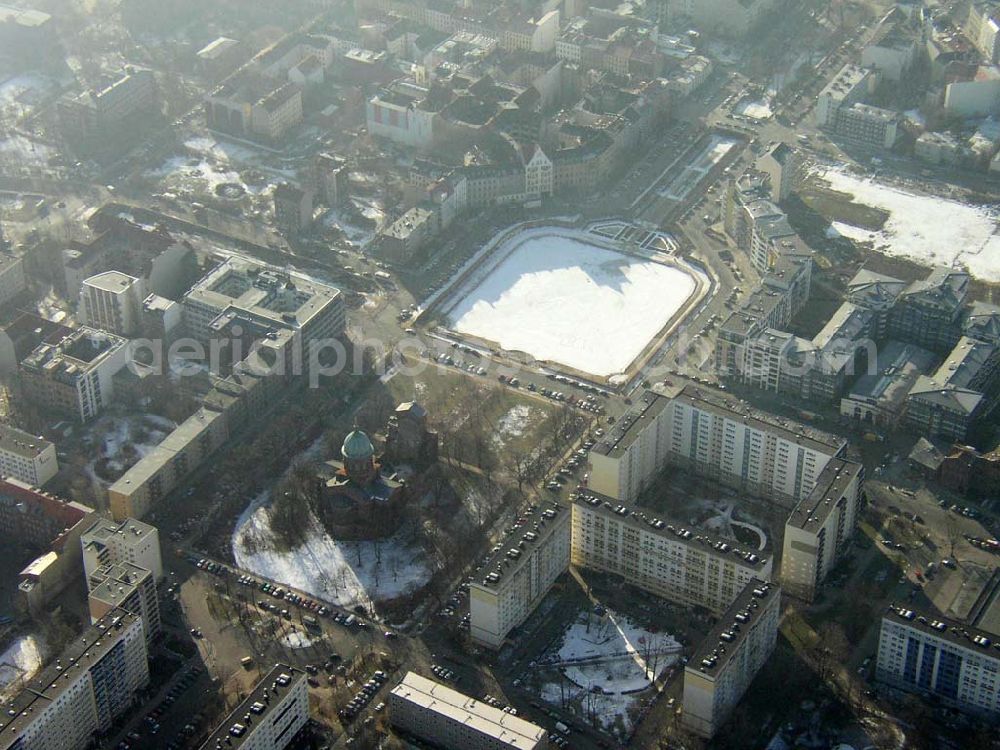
(364, 696)
(571, 466)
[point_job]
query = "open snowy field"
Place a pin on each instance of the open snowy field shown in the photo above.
(568, 301)
(344, 573)
(928, 229)
(119, 442)
(608, 662)
(759, 109)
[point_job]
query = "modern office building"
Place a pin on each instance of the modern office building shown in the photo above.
(82, 692)
(27, 458)
(128, 587)
(932, 656)
(518, 573)
(240, 299)
(75, 376)
(448, 719)
(820, 526)
(683, 565)
(115, 542)
(268, 718)
(851, 85)
(722, 667)
(112, 301)
(982, 28)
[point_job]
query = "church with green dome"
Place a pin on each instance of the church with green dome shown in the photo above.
(360, 501)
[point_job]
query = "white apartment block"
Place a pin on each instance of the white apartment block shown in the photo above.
(518, 573)
(715, 435)
(851, 84)
(112, 301)
(128, 541)
(454, 721)
(956, 664)
(819, 528)
(83, 692)
(128, 587)
(12, 278)
(27, 458)
(270, 717)
(685, 566)
(726, 662)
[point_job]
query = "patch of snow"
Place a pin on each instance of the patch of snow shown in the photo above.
(851, 232)
(117, 432)
(23, 149)
(296, 639)
(22, 658)
(758, 109)
(513, 423)
(560, 299)
(931, 230)
(341, 572)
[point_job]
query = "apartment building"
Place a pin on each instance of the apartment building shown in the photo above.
(781, 164)
(851, 85)
(136, 492)
(82, 692)
(127, 587)
(878, 294)
(448, 719)
(518, 573)
(878, 397)
(949, 402)
(715, 435)
(982, 28)
(270, 717)
(293, 208)
(752, 218)
(29, 516)
(820, 526)
(12, 278)
(933, 656)
(128, 541)
(686, 566)
(112, 301)
(721, 669)
(983, 323)
(27, 458)
(100, 111)
(928, 313)
(633, 452)
(74, 377)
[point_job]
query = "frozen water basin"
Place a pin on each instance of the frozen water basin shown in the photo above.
(565, 297)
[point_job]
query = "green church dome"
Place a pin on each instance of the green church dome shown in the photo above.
(357, 447)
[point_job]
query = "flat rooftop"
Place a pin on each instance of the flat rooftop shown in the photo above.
(51, 682)
(111, 281)
(942, 627)
(670, 529)
(512, 550)
(20, 443)
(716, 402)
(262, 700)
(632, 423)
(503, 728)
(723, 640)
(811, 512)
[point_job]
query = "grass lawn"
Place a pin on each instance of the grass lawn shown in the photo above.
(836, 206)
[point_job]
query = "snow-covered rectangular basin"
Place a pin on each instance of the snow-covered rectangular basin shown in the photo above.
(561, 297)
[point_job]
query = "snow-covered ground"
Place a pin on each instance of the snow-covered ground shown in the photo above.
(927, 229)
(345, 573)
(758, 109)
(25, 151)
(20, 94)
(569, 301)
(607, 661)
(119, 442)
(22, 658)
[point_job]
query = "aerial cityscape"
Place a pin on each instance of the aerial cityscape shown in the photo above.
(499, 374)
